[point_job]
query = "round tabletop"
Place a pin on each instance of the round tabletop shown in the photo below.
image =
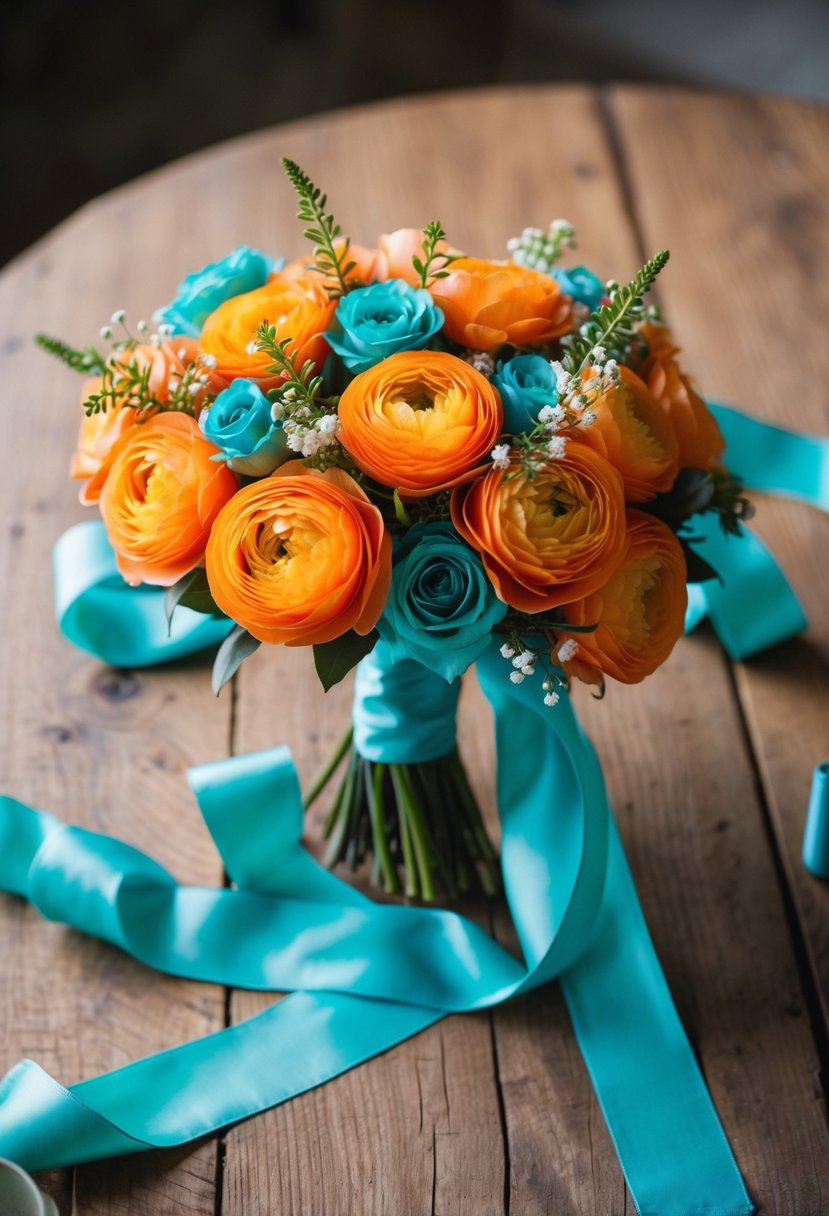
(708, 763)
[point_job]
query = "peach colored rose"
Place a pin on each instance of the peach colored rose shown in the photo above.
(300, 557)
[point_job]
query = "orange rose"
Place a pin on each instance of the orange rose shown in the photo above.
(640, 609)
(300, 557)
(550, 540)
(633, 432)
(160, 498)
(297, 304)
(420, 421)
(486, 304)
(700, 440)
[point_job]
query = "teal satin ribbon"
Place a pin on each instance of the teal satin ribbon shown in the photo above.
(754, 606)
(370, 975)
(122, 625)
(290, 924)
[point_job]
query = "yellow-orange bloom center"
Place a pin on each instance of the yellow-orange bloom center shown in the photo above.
(546, 541)
(420, 421)
(300, 557)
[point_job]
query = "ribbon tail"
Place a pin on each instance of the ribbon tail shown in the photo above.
(673, 1151)
(191, 1091)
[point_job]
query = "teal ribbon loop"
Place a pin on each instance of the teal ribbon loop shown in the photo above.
(754, 606)
(365, 976)
(121, 625)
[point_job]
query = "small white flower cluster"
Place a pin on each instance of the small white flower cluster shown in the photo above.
(303, 433)
(523, 662)
(500, 456)
(539, 250)
(576, 395)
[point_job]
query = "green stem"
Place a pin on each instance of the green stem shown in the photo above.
(409, 864)
(329, 770)
(420, 838)
(374, 794)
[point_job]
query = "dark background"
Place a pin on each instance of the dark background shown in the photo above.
(95, 93)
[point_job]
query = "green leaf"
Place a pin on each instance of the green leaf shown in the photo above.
(236, 647)
(334, 660)
(87, 361)
(191, 591)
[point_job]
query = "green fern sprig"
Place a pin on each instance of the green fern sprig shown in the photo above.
(612, 325)
(433, 234)
(300, 384)
(323, 231)
(88, 361)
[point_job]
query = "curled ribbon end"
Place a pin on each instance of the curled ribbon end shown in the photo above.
(816, 834)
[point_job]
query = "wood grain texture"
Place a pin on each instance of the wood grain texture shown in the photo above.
(749, 179)
(481, 1114)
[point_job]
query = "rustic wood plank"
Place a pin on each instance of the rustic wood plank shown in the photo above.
(102, 748)
(749, 177)
(702, 184)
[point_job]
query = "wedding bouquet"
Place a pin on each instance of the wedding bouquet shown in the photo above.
(403, 456)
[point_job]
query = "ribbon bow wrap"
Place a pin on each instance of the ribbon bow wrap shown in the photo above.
(365, 976)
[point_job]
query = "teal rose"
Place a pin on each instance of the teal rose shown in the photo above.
(580, 283)
(201, 293)
(380, 320)
(240, 423)
(441, 607)
(526, 384)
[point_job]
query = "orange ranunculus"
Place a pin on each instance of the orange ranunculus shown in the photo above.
(701, 444)
(550, 540)
(632, 430)
(96, 436)
(300, 557)
(486, 304)
(640, 609)
(420, 421)
(160, 498)
(297, 304)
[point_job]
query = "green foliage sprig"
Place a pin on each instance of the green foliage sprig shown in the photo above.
(88, 361)
(300, 385)
(433, 234)
(612, 325)
(125, 382)
(323, 230)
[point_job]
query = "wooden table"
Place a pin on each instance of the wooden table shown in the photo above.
(708, 763)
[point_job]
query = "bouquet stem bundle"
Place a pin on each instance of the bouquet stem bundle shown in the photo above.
(420, 824)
